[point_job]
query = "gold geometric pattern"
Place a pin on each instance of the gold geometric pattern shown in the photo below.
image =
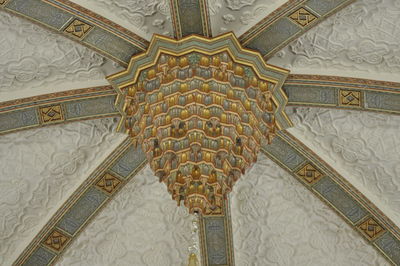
(50, 114)
(78, 28)
(303, 17)
(371, 229)
(56, 241)
(350, 98)
(108, 183)
(200, 119)
(309, 173)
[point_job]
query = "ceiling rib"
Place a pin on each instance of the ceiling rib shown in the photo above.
(190, 17)
(81, 25)
(287, 23)
(216, 238)
(92, 195)
(56, 108)
(333, 189)
(343, 93)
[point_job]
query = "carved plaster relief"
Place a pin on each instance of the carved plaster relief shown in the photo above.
(141, 226)
(285, 224)
(361, 39)
(239, 15)
(39, 169)
(362, 146)
(143, 17)
(32, 57)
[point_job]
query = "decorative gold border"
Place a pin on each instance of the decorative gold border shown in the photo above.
(54, 97)
(349, 81)
(205, 18)
(157, 37)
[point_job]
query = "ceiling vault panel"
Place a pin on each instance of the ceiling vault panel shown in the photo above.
(83, 205)
(362, 40)
(239, 16)
(81, 25)
(144, 18)
(334, 190)
(190, 17)
(343, 93)
(56, 108)
(287, 23)
(36, 61)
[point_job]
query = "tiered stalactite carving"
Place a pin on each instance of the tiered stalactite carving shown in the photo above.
(201, 120)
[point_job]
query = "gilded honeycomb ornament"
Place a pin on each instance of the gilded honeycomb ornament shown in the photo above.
(201, 109)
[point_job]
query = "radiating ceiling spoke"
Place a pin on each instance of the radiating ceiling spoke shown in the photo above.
(56, 108)
(288, 23)
(216, 239)
(190, 17)
(343, 93)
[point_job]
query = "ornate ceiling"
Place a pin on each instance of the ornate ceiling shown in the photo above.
(326, 192)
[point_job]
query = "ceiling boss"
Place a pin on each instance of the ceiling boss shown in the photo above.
(201, 109)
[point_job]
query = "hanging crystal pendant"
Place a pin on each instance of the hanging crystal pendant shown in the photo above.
(193, 248)
(193, 261)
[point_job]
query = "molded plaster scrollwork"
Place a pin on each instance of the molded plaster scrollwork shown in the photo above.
(277, 221)
(148, 16)
(363, 37)
(39, 168)
(238, 4)
(239, 15)
(362, 146)
(141, 226)
(32, 57)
